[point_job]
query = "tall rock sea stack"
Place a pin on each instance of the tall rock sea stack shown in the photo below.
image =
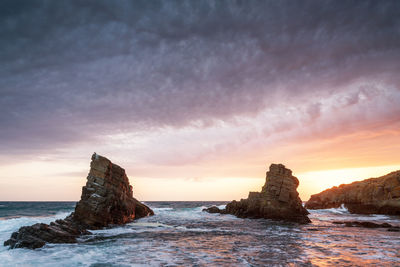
(107, 197)
(372, 196)
(278, 199)
(106, 200)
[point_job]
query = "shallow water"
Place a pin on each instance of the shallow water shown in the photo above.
(180, 234)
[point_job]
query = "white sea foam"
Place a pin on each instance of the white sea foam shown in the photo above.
(221, 207)
(342, 214)
(8, 226)
(151, 227)
(162, 209)
(144, 224)
(113, 231)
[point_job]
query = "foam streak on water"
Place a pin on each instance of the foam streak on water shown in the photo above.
(180, 234)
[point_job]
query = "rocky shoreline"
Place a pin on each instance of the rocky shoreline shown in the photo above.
(371, 196)
(107, 199)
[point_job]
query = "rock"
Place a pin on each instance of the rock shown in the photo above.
(37, 235)
(367, 224)
(107, 199)
(278, 199)
(372, 196)
(213, 209)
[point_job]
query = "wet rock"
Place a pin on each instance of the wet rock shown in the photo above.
(278, 199)
(371, 196)
(213, 209)
(37, 235)
(366, 224)
(106, 200)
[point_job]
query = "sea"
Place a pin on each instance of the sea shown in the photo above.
(180, 234)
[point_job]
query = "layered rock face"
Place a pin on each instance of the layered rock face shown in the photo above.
(278, 199)
(371, 196)
(107, 199)
(37, 235)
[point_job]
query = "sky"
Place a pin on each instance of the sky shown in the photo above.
(195, 99)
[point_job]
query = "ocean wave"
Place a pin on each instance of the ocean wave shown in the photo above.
(221, 207)
(112, 231)
(161, 209)
(333, 211)
(10, 225)
(153, 227)
(342, 214)
(371, 217)
(134, 227)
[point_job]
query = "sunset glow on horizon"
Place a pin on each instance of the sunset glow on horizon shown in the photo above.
(197, 106)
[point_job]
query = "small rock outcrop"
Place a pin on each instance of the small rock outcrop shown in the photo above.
(278, 199)
(371, 196)
(106, 200)
(366, 224)
(213, 209)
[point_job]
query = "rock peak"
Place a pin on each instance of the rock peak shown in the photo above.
(280, 183)
(279, 169)
(95, 156)
(278, 199)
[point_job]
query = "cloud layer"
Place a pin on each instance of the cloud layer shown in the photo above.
(76, 72)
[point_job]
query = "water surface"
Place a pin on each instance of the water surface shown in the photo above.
(180, 234)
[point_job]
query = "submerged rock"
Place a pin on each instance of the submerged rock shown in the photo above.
(278, 199)
(372, 196)
(107, 199)
(366, 224)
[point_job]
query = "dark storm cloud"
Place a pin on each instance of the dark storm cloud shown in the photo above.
(73, 70)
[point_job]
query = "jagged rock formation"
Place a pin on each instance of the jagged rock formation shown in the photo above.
(372, 196)
(107, 199)
(278, 199)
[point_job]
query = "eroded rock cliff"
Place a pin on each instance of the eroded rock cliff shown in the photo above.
(278, 199)
(106, 200)
(372, 196)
